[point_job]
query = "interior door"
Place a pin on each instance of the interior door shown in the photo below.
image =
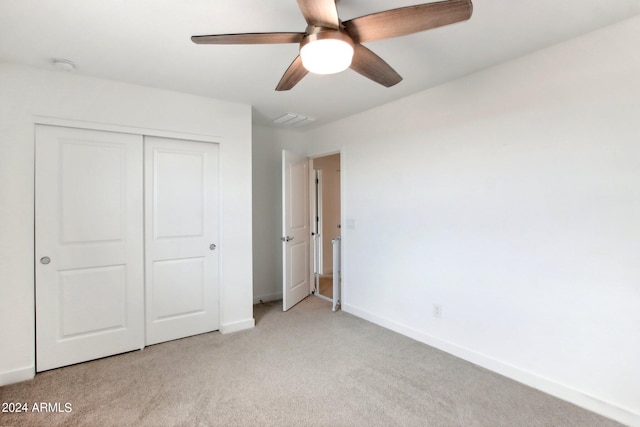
(89, 250)
(295, 229)
(181, 234)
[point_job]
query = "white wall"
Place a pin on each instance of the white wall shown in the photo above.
(27, 92)
(268, 144)
(511, 198)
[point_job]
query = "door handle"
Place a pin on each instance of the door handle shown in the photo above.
(287, 239)
(45, 260)
(212, 246)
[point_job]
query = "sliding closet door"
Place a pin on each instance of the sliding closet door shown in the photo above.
(89, 247)
(181, 234)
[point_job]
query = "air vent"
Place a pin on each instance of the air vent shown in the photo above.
(294, 120)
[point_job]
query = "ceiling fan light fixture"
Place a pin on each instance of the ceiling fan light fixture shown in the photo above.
(327, 52)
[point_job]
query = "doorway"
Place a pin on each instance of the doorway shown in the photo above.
(326, 224)
(310, 228)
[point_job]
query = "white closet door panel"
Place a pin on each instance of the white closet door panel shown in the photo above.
(93, 299)
(89, 224)
(178, 188)
(181, 234)
(188, 298)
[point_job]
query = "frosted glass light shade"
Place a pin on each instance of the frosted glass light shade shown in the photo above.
(326, 56)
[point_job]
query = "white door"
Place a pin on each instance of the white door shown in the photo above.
(295, 229)
(89, 248)
(181, 234)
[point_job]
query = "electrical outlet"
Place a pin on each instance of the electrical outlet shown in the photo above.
(437, 311)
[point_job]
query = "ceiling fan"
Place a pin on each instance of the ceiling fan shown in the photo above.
(329, 45)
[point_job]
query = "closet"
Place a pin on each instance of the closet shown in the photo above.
(126, 231)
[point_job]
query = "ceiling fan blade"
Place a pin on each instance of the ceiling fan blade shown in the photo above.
(373, 67)
(249, 38)
(293, 75)
(408, 20)
(320, 13)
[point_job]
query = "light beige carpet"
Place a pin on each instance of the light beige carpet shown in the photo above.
(306, 367)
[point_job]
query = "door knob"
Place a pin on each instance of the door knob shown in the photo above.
(45, 260)
(212, 246)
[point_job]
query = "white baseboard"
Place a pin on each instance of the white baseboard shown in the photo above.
(241, 325)
(546, 385)
(266, 298)
(17, 375)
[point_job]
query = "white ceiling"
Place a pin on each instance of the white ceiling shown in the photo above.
(147, 42)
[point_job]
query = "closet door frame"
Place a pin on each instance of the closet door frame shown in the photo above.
(142, 132)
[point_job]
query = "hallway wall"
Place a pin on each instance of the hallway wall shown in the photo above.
(330, 167)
